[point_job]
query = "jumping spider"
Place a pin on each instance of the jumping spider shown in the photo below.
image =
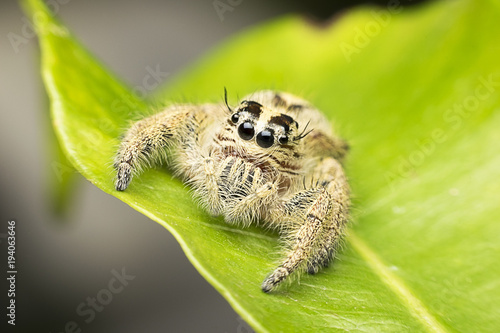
(255, 163)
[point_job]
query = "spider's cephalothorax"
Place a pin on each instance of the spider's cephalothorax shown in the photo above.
(256, 162)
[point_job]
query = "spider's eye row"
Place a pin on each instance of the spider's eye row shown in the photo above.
(265, 139)
(235, 117)
(246, 130)
(283, 139)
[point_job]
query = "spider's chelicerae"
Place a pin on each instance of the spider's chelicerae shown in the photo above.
(272, 159)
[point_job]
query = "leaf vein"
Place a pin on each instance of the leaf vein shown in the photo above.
(416, 306)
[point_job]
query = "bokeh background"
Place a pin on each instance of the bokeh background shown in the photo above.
(64, 258)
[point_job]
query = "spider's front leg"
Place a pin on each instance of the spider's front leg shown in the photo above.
(146, 143)
(314, 221)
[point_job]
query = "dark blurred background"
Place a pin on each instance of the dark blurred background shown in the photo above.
(62, 260)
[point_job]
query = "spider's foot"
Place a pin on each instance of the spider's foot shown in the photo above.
(124, 176)
(272, 281)
(313, 270)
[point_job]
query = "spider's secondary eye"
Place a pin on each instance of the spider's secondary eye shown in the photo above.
(283, 140)
(246, 130)
(265, 139)
(235, 117)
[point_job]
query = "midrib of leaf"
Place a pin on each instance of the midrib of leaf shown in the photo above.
(414, 305)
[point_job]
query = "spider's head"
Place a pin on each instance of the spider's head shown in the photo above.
(266, 127)
(269, 126)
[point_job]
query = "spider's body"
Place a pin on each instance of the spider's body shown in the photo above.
(254, 163)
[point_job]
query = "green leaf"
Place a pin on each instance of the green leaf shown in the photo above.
(415, 92)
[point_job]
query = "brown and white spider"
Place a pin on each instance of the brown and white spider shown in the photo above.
(256, 163)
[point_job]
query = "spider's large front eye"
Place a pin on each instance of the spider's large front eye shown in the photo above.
(246, 130)
(265, 139)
